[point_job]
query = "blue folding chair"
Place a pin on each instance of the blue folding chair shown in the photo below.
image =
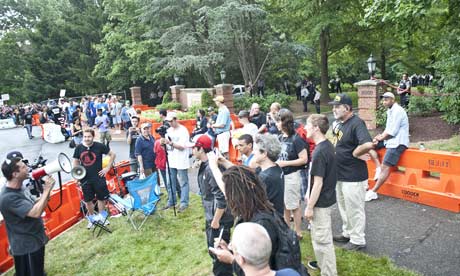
(144, 195)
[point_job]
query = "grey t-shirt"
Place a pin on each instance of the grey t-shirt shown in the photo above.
(25, 234)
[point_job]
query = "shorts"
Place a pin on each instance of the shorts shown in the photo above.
(392, 155)
(116, 119)
(105, 136)
(223, 140)
(292, 195)
(96, 187)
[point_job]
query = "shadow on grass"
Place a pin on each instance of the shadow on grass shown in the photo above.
(167, 246)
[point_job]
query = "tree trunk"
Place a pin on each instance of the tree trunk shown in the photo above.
(383, 69)
(324, 47)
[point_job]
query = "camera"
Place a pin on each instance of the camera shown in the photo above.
(35, 185)
(161, 130)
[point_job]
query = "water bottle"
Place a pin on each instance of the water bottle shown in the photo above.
(421, 146)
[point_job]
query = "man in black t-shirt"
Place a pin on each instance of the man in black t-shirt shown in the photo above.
(267, 148)
(258, 118)
(322, 194)
(28, 121)
(352, 140)
(89, 155)
(131, 136)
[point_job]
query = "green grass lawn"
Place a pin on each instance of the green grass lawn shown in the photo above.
(452, 144)
(167, 245)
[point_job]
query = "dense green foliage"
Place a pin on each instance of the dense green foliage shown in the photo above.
(244, 103)
(88, 47)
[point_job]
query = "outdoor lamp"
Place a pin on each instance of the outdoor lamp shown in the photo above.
(222, 75)
(176, 79)
(371, 65)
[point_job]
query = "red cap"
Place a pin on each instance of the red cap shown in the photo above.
(204, 141)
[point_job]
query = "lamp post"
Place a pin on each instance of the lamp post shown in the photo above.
(371, 62)
(176, 79)
(223, 75)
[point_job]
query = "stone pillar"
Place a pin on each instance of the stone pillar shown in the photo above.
(225, 90)
(368, 99)
(175, 92)
(136, 98)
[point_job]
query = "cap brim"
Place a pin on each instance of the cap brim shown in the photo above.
(333, 103)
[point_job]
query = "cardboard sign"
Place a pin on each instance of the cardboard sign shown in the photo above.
(5, 97)
(62, 93)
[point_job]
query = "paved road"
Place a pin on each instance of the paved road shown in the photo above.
(418, 237)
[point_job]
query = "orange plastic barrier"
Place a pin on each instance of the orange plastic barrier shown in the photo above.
(141, 107)
(6, 261)
(114, 182)
(55, 222)
(428, 177)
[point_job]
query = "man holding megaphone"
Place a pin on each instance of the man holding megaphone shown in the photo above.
(22, 216)
(89, 155)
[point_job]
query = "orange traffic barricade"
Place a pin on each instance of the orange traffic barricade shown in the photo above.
(424, 176)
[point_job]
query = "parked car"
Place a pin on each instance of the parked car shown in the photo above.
(238, 91)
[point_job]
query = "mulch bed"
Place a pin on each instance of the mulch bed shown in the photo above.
(431, 128)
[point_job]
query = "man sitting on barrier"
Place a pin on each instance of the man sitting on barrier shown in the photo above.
(22, 216)
(89, 155)
(395, 138)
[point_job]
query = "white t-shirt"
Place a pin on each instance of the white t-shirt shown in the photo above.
(178, 159)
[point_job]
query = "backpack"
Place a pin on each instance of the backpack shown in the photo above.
(288, 253)
(302, 133)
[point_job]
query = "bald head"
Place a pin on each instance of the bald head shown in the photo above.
(252, 242)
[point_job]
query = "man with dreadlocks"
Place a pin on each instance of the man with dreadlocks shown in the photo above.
(247, 200)
(218, 216)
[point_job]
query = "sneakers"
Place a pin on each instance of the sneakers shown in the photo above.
(377, 173)
(182, 209)
(354, 247)
(166, 207)
(313, 265)
(90, 225)
(370, 195)
(341, 238)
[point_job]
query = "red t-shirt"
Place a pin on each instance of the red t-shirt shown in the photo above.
(160, 160)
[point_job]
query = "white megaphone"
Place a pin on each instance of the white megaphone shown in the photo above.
(78, 172)
(62, 163)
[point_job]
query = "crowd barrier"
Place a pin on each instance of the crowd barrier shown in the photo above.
(424, 176)
(7, 123)
(115, 183)
(55, 222)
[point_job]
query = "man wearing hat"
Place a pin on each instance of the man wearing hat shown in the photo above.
(395, 138)
(217, 215)
(176, 138)
(22, 216)
(351, 140)
(143, 150)
(222, 126)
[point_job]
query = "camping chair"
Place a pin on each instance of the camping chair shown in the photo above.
(143, 198)
(98, 220)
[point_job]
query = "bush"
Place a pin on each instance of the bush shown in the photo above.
(244, 103)
(423, 105)
(169, 105)
(381, 116)
(206, 99)
(167, 97)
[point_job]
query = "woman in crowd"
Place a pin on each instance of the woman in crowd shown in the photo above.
(201, 123)
(292, 159)
(271, 122)
(77, 130)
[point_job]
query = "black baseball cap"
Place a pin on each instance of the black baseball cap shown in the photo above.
(14, 154)
(341, 99)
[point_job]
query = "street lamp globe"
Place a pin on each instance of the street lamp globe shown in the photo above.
(223, 74)
(371, 62)
(176, 79)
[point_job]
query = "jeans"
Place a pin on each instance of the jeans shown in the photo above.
(29, 130)
(182, 176)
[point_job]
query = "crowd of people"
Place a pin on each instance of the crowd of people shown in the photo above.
(282, 163)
